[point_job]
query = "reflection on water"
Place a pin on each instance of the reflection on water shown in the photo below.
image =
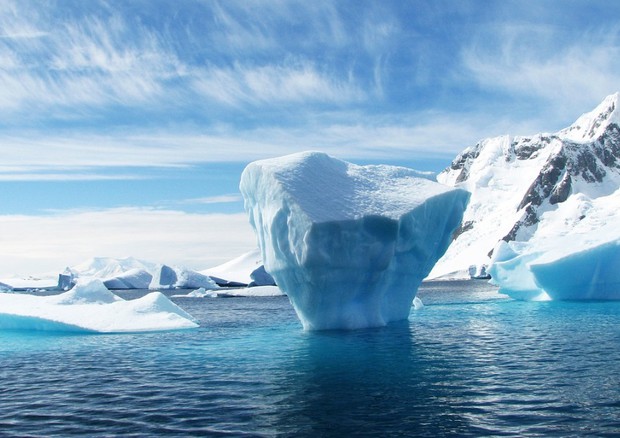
(470, 363)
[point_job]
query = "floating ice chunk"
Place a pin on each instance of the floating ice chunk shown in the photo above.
(136, 278)
(510, 271)
(570, 267)
(244, 270)
(90, 307)
(88, 291)
(166, 277)
(348, 244)
(591, 274)
(417, 303)
(256, 291)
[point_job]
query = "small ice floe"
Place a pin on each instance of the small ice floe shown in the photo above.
(91, 307)
(417, 303)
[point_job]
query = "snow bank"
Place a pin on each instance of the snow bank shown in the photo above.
(91, 307)
(348, 244)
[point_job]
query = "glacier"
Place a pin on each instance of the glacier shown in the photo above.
(348, 244)
(91, 307)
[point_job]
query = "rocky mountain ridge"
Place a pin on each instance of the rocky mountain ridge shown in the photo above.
(518, 182)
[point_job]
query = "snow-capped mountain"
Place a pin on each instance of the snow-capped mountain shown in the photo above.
(522, 185)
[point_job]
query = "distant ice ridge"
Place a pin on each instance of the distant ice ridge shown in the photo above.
(580, 262)
(254, 292)
(348, 244)
(131, 273)
(523, 187)
(91, 307)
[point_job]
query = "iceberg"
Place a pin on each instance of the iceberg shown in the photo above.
(136, 278)
(578, 264)
(245, 292)
(245, 270)
(166, 277)
(91, 307)
(348, 244)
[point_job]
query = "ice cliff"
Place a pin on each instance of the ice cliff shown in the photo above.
(530, 192)
(348, 244)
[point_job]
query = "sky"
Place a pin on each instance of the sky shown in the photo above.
(125, 124)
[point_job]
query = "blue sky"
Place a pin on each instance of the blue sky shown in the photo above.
(145, 112)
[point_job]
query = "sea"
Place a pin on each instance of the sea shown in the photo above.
(471, 362)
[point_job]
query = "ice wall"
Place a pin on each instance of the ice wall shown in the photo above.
(580, 262)
(348, 244)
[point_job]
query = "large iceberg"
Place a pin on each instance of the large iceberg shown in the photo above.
(348, 244)
(91, 307)
(579, 262)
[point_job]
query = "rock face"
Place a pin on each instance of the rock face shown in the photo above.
(517, 183)
(348, 244)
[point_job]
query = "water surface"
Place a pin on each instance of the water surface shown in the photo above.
(470, 363)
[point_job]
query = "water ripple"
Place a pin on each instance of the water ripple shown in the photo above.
(468, 364)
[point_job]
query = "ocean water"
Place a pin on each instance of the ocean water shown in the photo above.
(470, 363)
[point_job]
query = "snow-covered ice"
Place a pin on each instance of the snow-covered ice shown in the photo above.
(166, 277)
(91, 307)
(348, 244)
(131, 273)
(577, 262)
(256, 291)
(247, 269)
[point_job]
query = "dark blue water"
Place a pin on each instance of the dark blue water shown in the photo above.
(468, 364)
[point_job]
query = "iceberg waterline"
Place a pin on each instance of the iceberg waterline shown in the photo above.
(91, 307)
(348, 244)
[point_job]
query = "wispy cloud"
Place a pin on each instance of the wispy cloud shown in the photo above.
(45, 176)
(272, 84)
(51, 242)
(220, 199)
(527, 62)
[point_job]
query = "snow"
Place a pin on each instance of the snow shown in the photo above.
(592, 124)
(500, 173)
(91, 307)
(131, 273)
(497, 186)
(133, 279)
(257, 291)
(348, 244)
(166, 277)
(573, 255)
(30, 283)
(247, 269)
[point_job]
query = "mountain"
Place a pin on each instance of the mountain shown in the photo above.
(526, 188)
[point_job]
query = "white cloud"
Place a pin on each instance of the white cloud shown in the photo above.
(79, 156)
(273, 84)
(45, 176)
(37, 244)
(220, 199)
(527, 62)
